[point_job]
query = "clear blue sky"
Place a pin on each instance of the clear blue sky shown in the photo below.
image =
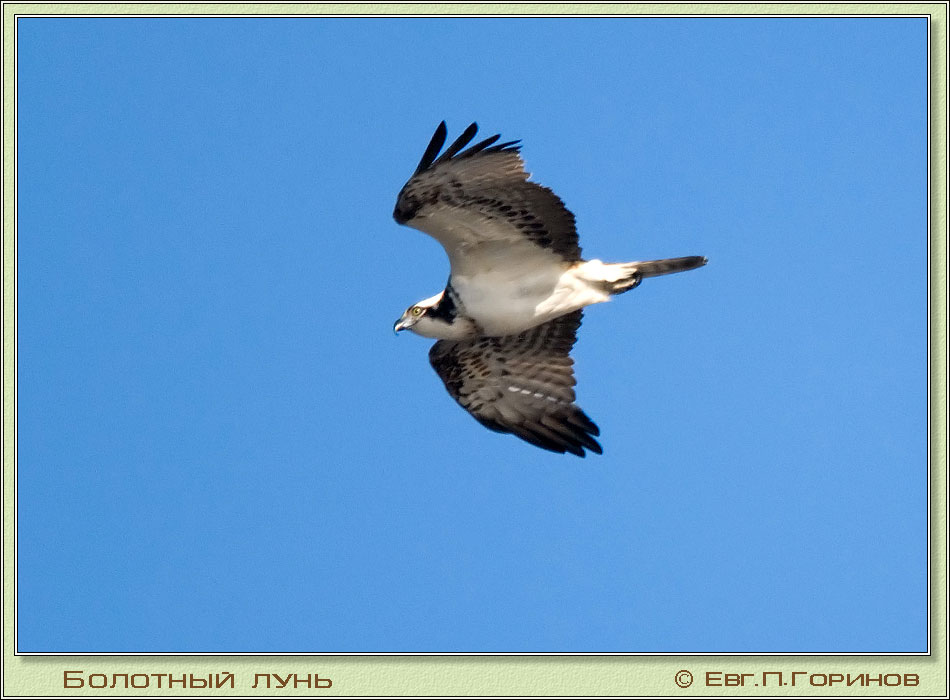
(223, 447)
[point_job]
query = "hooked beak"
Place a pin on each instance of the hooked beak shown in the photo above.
(401, 325)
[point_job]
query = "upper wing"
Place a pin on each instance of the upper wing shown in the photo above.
(480, 195)
(521, 384)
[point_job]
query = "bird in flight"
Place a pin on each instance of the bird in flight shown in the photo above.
(508, 317)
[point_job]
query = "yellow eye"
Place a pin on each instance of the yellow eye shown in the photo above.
(416, 311)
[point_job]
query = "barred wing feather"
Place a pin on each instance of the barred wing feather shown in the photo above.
(467, 197)
(521, 384)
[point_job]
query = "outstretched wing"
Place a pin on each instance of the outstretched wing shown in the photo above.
(465, 198)
(521, 384)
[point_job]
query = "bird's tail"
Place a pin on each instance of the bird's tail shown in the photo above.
(618, 278)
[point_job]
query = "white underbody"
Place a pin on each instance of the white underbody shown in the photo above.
(507, 293)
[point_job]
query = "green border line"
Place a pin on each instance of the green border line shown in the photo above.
(487, 675)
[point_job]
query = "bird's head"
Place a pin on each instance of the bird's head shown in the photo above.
(431, 319)
(418, 319)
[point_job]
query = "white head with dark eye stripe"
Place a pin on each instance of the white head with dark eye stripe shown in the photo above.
(435, 317)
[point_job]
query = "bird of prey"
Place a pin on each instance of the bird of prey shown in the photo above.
(508, 317)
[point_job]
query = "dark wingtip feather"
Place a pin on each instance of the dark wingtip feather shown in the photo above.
(432, 150)
(506, 146)
(583, 421)
(459, 143)
(432, 158)
(586, 432)
(534, 439)
(589, 442)
(555, 436)
(480, 146)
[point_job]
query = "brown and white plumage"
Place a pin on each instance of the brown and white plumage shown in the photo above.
(521, 384)
(470, 199)
(508, 317)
